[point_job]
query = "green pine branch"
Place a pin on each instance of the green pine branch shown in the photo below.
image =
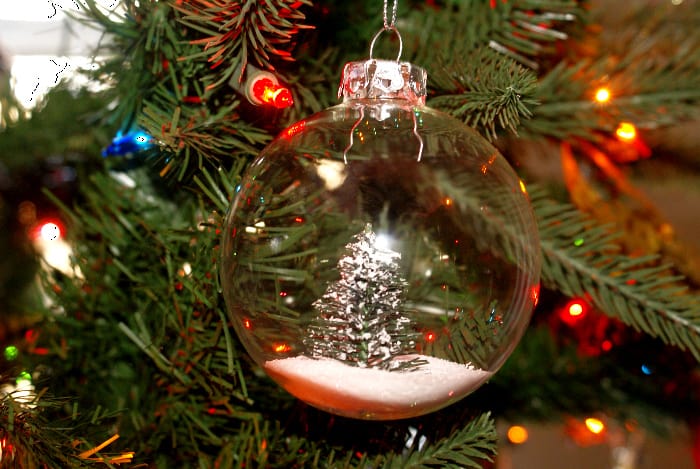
(484, 70)
(580, 259)
(469, 446)
(25, 148)
(651, 72)
(135, 53)
(523, 30)
(194, 136)
(36, 433)
(144, 324)
(486, 91)
(232, 34)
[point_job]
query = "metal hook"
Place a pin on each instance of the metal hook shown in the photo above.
(374, 39)
(352, 133)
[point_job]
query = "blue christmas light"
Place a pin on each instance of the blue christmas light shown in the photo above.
(646, 369)
(132, 142)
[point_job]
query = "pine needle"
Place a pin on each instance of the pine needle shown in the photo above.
(638, 292)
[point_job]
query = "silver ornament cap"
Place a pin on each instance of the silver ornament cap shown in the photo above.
(383, 79)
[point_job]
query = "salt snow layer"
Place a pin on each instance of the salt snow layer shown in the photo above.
(371, 393)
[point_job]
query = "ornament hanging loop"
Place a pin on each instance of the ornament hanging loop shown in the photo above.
(379, 33)
(390, 24)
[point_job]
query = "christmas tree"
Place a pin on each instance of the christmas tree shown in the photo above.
(371, 330)
(133, 361)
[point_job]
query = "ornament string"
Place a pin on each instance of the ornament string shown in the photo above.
(387, 24)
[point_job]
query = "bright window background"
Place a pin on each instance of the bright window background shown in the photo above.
(41, 46)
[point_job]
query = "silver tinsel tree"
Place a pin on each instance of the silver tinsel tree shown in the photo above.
(360, 321)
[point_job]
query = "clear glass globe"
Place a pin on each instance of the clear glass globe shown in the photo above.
(380, 259)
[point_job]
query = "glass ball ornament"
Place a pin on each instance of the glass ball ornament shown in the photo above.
(380, 259)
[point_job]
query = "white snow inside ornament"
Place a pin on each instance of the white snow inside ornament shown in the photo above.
(380, 259)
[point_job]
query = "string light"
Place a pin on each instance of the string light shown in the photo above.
(517, 434)
(576, 309)
(573, 311)
(265, 90)
(626, 131)
(130, 143)
(7, 451)
(261, 87)
(594, 425)
(602, 95)
(11, 352)
(49, 231)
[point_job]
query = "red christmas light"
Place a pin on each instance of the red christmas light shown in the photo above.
(48, 230)
(261, 87)
(264, 89)
(573, 311)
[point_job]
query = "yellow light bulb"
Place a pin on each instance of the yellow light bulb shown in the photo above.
(602, 95)
(626, 131)
(594, 425)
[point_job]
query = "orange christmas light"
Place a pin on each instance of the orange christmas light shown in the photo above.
(517, 434)
(594, 425)
(602, 95)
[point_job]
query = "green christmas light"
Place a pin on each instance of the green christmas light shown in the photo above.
(578, 242)
(11, 352)
(24, 376)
